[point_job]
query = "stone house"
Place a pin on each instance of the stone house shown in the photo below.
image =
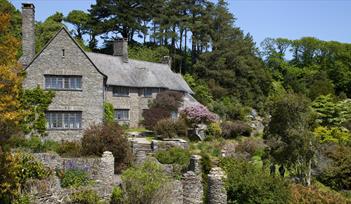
(83, 81)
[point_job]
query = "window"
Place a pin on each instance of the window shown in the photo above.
(122, 114)
(147, 92)
(64, 120)
(120, 91)
(63, 82)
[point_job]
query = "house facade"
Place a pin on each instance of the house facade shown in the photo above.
(83, 81)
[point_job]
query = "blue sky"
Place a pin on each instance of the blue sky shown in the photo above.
(293, 19)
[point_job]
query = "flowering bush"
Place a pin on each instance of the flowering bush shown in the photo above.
(199, 114)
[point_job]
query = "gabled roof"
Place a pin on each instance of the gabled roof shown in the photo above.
(138, 73)
(63, 29)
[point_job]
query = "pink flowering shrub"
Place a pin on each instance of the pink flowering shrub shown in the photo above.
(199, 114)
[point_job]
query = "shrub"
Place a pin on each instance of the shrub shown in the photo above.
(252, 146)
(170, 128)
(15, 170)
(86, 197)
(333, 134)
(107, 137)
(337, 174)
(165, 103)
(69, 149)
(109, 113)
(144, 183)
(199, 114)
(117, 196)
(248, 184)
(153, 115)
(174, 155)
(230, 109)
(306, 195)
(232, 129)
(214, 130)
(73, 178)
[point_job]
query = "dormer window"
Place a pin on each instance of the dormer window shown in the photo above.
(120, 91)
(148, 92)
(63, 82)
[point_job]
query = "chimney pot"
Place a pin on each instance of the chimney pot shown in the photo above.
(120, 48)
(28, 33)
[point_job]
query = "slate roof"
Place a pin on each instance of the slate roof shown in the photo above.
(138, 73)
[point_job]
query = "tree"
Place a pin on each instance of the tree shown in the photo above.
(10, 80)
(44, 31)
(289, 134)
(79, 19)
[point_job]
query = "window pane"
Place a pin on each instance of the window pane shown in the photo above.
(121, 91)
(63, 82)
(64, 120)
(122, 114)
(147, 92)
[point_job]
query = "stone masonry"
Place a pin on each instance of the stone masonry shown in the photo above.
(217, 193)
(74, 62)
(28, 33)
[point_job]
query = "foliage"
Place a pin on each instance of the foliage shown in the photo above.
(145, 53)
(201, 89)
(80, 20)
(10, 80)
(312, 194)
(107, 137)
(333, 134)
(109, 112)
(15, 169)
(46, 30)
(34, 144)
(233, 129)
(117, 196)
(246, 183)
(214, 130)
(35, 101)
(337, 173)
(165, 103)
(170, 128)
(199, 114)
(74, 178)
(289, 134)
(85, 197)
(252, 146)
(69, 149)
(230, 109)
(174, 155)
(143, 183)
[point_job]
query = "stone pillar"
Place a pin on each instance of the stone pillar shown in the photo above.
(195, 164)
(140, 157)
(28, 33)
(107, 168)
(192, 188)
(217, 193)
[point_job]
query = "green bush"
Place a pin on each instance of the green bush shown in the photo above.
(107, 137)
(73, 178)
(246, 183)
(109, 113)
(15, 169)
(86, 197)
(170, 128)
(174, 155)
(337, 174)
(312, 194)
(145, 184)
(117, 196)
(333, 134)
(69, 149)
(214, 130)
(233, 129)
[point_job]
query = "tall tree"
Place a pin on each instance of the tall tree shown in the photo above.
(79, 19)
(10, 79)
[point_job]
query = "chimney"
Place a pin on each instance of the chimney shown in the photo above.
(28, 33)
(167, 60)
(120, 48)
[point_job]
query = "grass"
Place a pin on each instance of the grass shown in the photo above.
(136, 130)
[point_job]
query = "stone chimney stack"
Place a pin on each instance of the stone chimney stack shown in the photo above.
(28, 33)
(120, 48)
(167, 60)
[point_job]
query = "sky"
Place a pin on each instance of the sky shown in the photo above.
(292, 19)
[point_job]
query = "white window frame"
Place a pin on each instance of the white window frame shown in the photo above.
(71, 120)
(63, 82)
(125, 114)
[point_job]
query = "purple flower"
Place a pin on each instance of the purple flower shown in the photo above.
(199, 114)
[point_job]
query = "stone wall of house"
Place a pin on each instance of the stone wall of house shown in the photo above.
(89, 100)
(135, 103)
